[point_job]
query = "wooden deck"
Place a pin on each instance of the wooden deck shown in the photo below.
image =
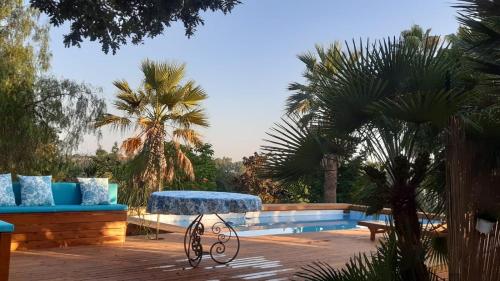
(261, 258)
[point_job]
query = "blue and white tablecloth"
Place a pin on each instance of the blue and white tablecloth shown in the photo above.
(202, 202)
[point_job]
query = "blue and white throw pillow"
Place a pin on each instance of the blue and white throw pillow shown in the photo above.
(36, 191)
(7, 197)
(94, 191)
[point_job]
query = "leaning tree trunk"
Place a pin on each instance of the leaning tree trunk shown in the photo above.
(330, 166)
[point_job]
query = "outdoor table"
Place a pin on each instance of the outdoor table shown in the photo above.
(200, 203)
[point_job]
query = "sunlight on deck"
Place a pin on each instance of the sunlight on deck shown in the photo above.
(261, 258)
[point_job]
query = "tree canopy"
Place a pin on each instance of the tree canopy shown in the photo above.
(41, 118)
(114, 23)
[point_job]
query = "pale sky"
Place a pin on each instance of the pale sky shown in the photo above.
(245, 60)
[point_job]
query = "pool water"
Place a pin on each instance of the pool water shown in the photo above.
(301, 222)
(282, 222)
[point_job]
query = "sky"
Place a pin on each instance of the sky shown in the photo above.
(245, 60)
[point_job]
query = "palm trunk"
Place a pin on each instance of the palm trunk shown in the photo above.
(330, 166)
(156, 166)
(408, 230)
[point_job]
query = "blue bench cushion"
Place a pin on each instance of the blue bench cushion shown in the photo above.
(62, 208)
(6, 227)
(68, 193)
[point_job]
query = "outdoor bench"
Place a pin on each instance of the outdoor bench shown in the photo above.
(439, 230)
(67, 223)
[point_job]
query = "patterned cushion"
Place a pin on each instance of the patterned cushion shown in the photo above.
(94, 191)
(7, 197)
(36, 191)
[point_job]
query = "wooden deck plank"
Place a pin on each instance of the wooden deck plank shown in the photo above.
(260, 258)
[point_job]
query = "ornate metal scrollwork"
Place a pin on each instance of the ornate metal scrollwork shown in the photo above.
(224, 233)
(192, 241)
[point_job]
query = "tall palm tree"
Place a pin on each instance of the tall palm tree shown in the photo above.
(163, 109)
(303, 110)
(320, 66)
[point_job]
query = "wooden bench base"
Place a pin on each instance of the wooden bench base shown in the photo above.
(4, 255)
(374, 227)
(49, 230)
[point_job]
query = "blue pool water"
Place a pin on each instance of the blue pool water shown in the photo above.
(283, 222)
(300, 222)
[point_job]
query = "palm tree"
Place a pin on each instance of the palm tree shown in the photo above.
(416, 35)
(163, 109)
(294, 150)
(395, 96)
(303, 110)
(320, 66)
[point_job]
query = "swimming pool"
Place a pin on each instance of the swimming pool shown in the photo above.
(282, 222)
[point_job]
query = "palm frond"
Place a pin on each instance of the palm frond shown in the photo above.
(162, 77)
(191, 94)
(116, 122)
(178, 161)
(189, 136)
(293, 151)
(192, 117)
(383, 265)
(421, 107)
(127, 99)
(319, 67)
(132, 145)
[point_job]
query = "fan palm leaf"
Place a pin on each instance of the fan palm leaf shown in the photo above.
(293, 150)
(116, 122)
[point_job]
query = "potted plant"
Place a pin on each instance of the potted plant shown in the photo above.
(485, 222)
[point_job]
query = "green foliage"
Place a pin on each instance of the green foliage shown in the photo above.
(203, 163)
(292, 151)
(227, 172)
(481, 36)
(305, 100)
(385, 264)
(252, 182)
(23, 52)
(68, 108)
(302, 191)
(114, 23)
(42, 119)
(352, 183)
(205, 170)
